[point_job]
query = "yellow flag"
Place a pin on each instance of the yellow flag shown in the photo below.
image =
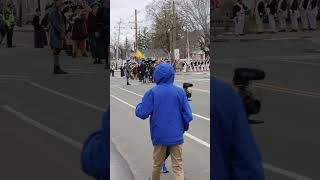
(139, 54)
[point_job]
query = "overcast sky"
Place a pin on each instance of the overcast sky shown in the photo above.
(124, 9)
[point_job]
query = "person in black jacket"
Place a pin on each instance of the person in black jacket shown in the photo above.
(103, 21)
(39, 33)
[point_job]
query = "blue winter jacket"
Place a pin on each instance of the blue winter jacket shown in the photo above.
(95, 154)
(235, 154)
(168, 108)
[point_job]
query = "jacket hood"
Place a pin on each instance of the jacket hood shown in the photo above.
(164, 74)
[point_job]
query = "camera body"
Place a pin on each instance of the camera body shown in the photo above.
(241, 80)
(188, 92)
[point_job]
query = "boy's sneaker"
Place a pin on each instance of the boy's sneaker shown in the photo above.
(164, 169)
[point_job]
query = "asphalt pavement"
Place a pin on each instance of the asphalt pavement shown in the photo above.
(289, 140)
(131, 135)
(45, 117)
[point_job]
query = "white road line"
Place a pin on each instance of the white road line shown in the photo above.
(14, 76)
(66, 96)
(123, 101)
(183, 80)
(284, 172)
(44, 128)
(197, 115)
(187, 134)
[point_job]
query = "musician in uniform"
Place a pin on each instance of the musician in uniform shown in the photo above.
(283, 15)
(303, 14)
(259, 13)
(239, 17)
(312, 12)
(271, 10)
(294, 15)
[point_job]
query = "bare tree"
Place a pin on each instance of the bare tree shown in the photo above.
(196, 14)
(127, 47)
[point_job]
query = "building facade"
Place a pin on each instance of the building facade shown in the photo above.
(25, 9)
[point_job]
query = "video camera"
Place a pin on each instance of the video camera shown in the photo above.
(188, 92)
(241, 80)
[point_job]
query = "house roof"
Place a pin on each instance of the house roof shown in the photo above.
(148, 53)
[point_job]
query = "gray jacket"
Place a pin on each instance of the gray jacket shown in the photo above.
(57, 27)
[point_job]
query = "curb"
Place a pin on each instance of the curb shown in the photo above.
(192, 73)
(23, 30)
(262, 39)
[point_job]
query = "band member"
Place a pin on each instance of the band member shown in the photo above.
(259, 13)
(303, 14)
(294, 15)
(283, 15)
(312, 12)
(271, 10)
(239, 17)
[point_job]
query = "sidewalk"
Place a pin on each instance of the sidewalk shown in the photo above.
(24, 28)
(119, 169)
(229, 36)
(186, 73)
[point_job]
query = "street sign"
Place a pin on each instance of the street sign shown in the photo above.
(176, 54)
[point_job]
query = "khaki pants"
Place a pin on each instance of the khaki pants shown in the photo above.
(159, 153)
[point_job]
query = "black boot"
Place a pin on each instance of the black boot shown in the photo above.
(58, 70)
(95, 61)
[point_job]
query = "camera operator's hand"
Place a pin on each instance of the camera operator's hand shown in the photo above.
(186, 127)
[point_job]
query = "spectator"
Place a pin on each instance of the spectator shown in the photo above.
(79, 33)
(93, 33)
(9, 20)
(40, 37)
(103, 21)
(67, 13)
(57, 34)
(235, 153)
(170, 115)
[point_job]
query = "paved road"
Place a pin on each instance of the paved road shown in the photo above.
(44, 117)
(290, 139)
(131, 135)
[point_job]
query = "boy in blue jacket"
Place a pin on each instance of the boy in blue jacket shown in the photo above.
(235, 154)
(170, 115)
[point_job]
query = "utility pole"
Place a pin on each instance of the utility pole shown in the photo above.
(39, 6)
(173, 30)
(118, 41)
(136, 28)
(188, 46)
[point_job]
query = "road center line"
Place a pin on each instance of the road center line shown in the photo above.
(44, 128)
(187, 134)
(197, 115)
